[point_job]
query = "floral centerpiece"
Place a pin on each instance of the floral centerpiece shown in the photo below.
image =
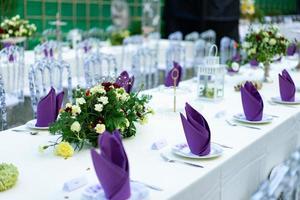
(16, 28)
(103, 107)
(248, 9)
(117, 37)
(264, 45)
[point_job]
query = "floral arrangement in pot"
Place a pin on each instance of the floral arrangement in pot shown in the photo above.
(105, 107)
(263, 45)
(16, 28)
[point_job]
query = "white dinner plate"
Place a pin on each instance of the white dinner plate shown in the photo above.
(182, 149)
(96, 192)
(278, 100)
(242, 118)
(31, 124)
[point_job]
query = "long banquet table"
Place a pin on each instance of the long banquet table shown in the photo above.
(234, 175)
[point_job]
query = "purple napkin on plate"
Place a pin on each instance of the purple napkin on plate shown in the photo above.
(291, 50)
(112, 167)
(252, 102)
(287, 87)
(169, 80)
(196, 131)
(48, 108)
(125, 81)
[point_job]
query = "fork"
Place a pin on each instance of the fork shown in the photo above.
(153, 187)
(26, 131)
(179, 161)
(243, 125)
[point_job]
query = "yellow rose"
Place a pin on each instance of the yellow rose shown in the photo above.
(64, 149)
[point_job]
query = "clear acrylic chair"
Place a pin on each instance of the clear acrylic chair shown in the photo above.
(44, 74)
(225, 49)
(3, 111)
(176, 53)
(97, 33)
(82, 51)
(176, 36)
(49, 34)
(50, 50)
(145, 68)
(209, 36)
(129, 48)
(99, 67)
(193, 36)
(12, 70)
(74, 36)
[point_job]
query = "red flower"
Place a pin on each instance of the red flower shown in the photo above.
(87, 93)
(1, 31)
(258, 38)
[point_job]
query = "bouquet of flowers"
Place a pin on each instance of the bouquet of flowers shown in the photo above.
(103, 107)
(264, 44)
(16, 27)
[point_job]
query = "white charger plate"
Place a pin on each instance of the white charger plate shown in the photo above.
(31, 124)
(182, 149)
(96, 192)
(278, 100)
(242, 118)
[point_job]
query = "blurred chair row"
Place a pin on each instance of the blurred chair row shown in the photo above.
(283, 182)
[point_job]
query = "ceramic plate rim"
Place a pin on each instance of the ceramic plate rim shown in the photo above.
(266, 121)
(30, 123)
(213, 145)
(279, 101)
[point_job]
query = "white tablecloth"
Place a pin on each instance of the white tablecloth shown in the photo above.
(234, 175)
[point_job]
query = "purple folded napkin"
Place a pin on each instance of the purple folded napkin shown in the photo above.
(125, 81)
(112, 167)
(291, 50)
(50, 53)
(196, 131)
(254, 63)
(252, 102)
(287, 87)
(169, 79)
(48, 108)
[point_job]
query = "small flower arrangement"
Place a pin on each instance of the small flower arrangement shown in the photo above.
(117, 37)
(8, 176)
(235, 62)
(265, 44)
(16, 27)
(248, 9)
(104, 107)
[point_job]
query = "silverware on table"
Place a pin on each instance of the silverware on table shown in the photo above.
(231, 123)
(153, 187)
(25, 131)
(179, 161)
(222, 145)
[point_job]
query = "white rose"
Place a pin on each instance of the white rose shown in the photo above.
(246, 45)
(97, 89)
(68, 105)
(100, 128)
(80, 101)
(10, 31)
(76, 110)
(98, 107)
(266, 40)
(272, 42)
(75, 127)
(235, 66)
(103, 100)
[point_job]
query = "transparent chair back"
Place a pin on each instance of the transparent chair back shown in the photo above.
(49, 50)
(177, 36)
(82, 51)
(3, 111)
(74, 36)
(129, 48)
(96, 33)
(232, 49)
(193, 36)
(176, 53)
(262, 192)
(145, 69)
(44, 74)
(12, 71)
(199, 52)
(209, 36)
(99, 68)
(49, 34)
(225, 49)
(151, 16)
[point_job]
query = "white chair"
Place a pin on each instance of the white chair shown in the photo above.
(49, 50)
(176, 53)
(145, 69)
(129, 48)
(193, 36)
(99, 67)
(44, 74)
(225, 49)
(12, 70)
(209, 36)
(3, 111)
(176, 36)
